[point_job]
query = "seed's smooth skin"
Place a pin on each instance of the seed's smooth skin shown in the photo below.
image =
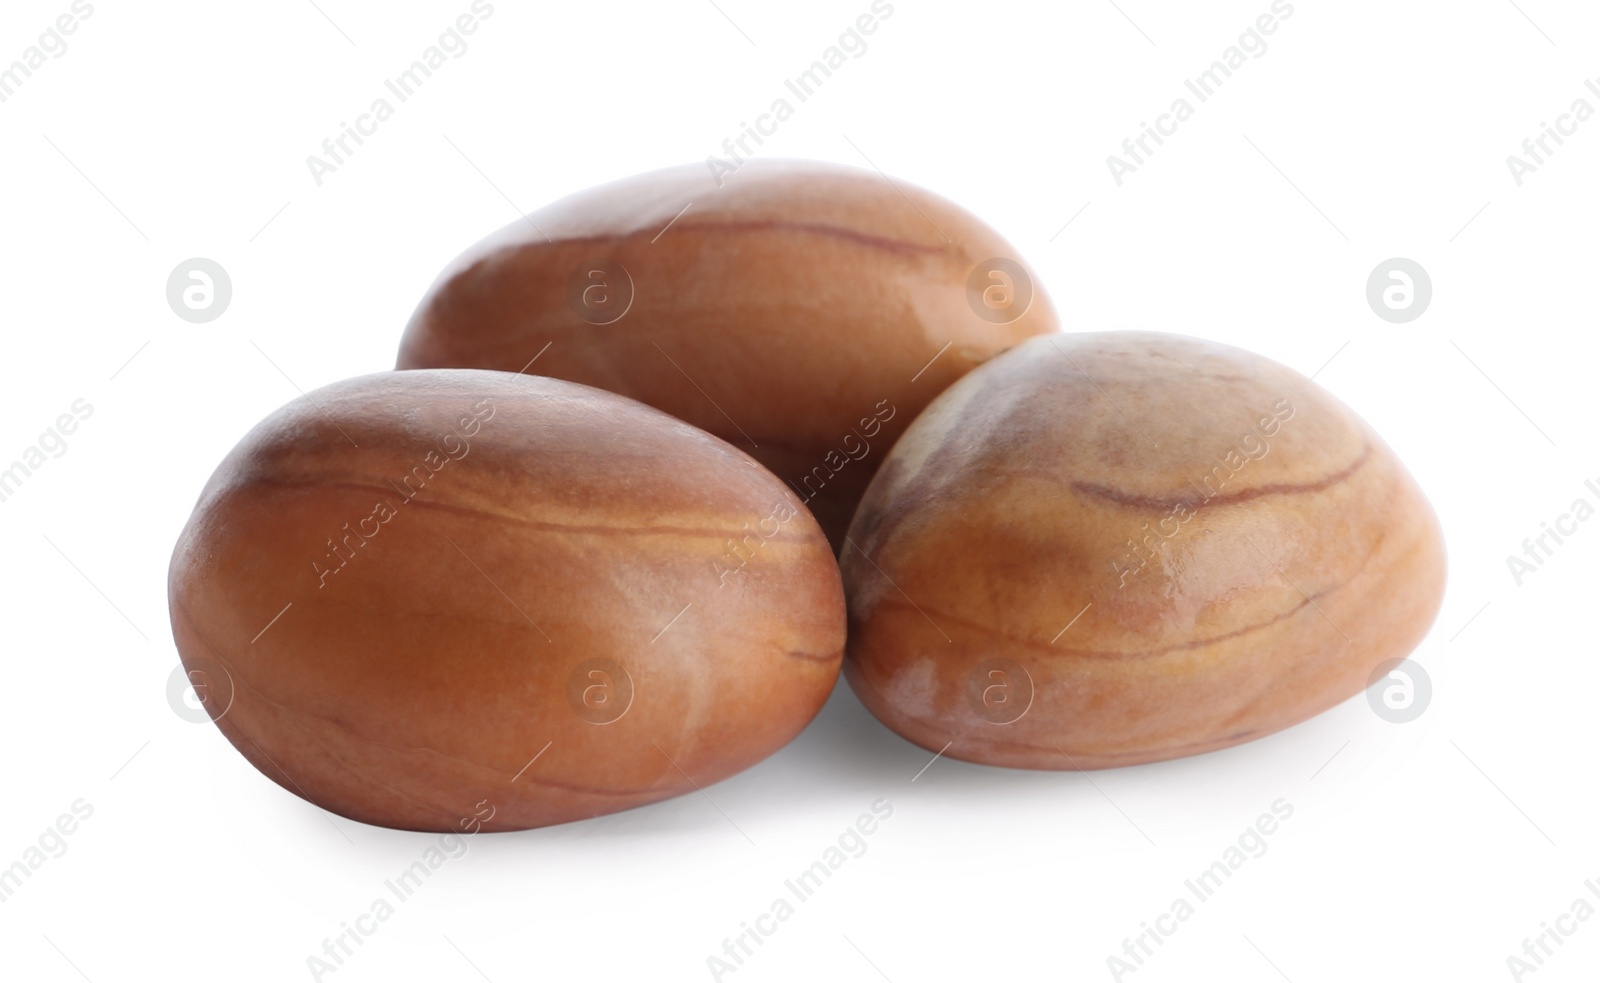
(804, 312)
(1233, 549)
(405, 671)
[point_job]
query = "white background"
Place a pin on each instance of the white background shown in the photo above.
(1367, 130)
